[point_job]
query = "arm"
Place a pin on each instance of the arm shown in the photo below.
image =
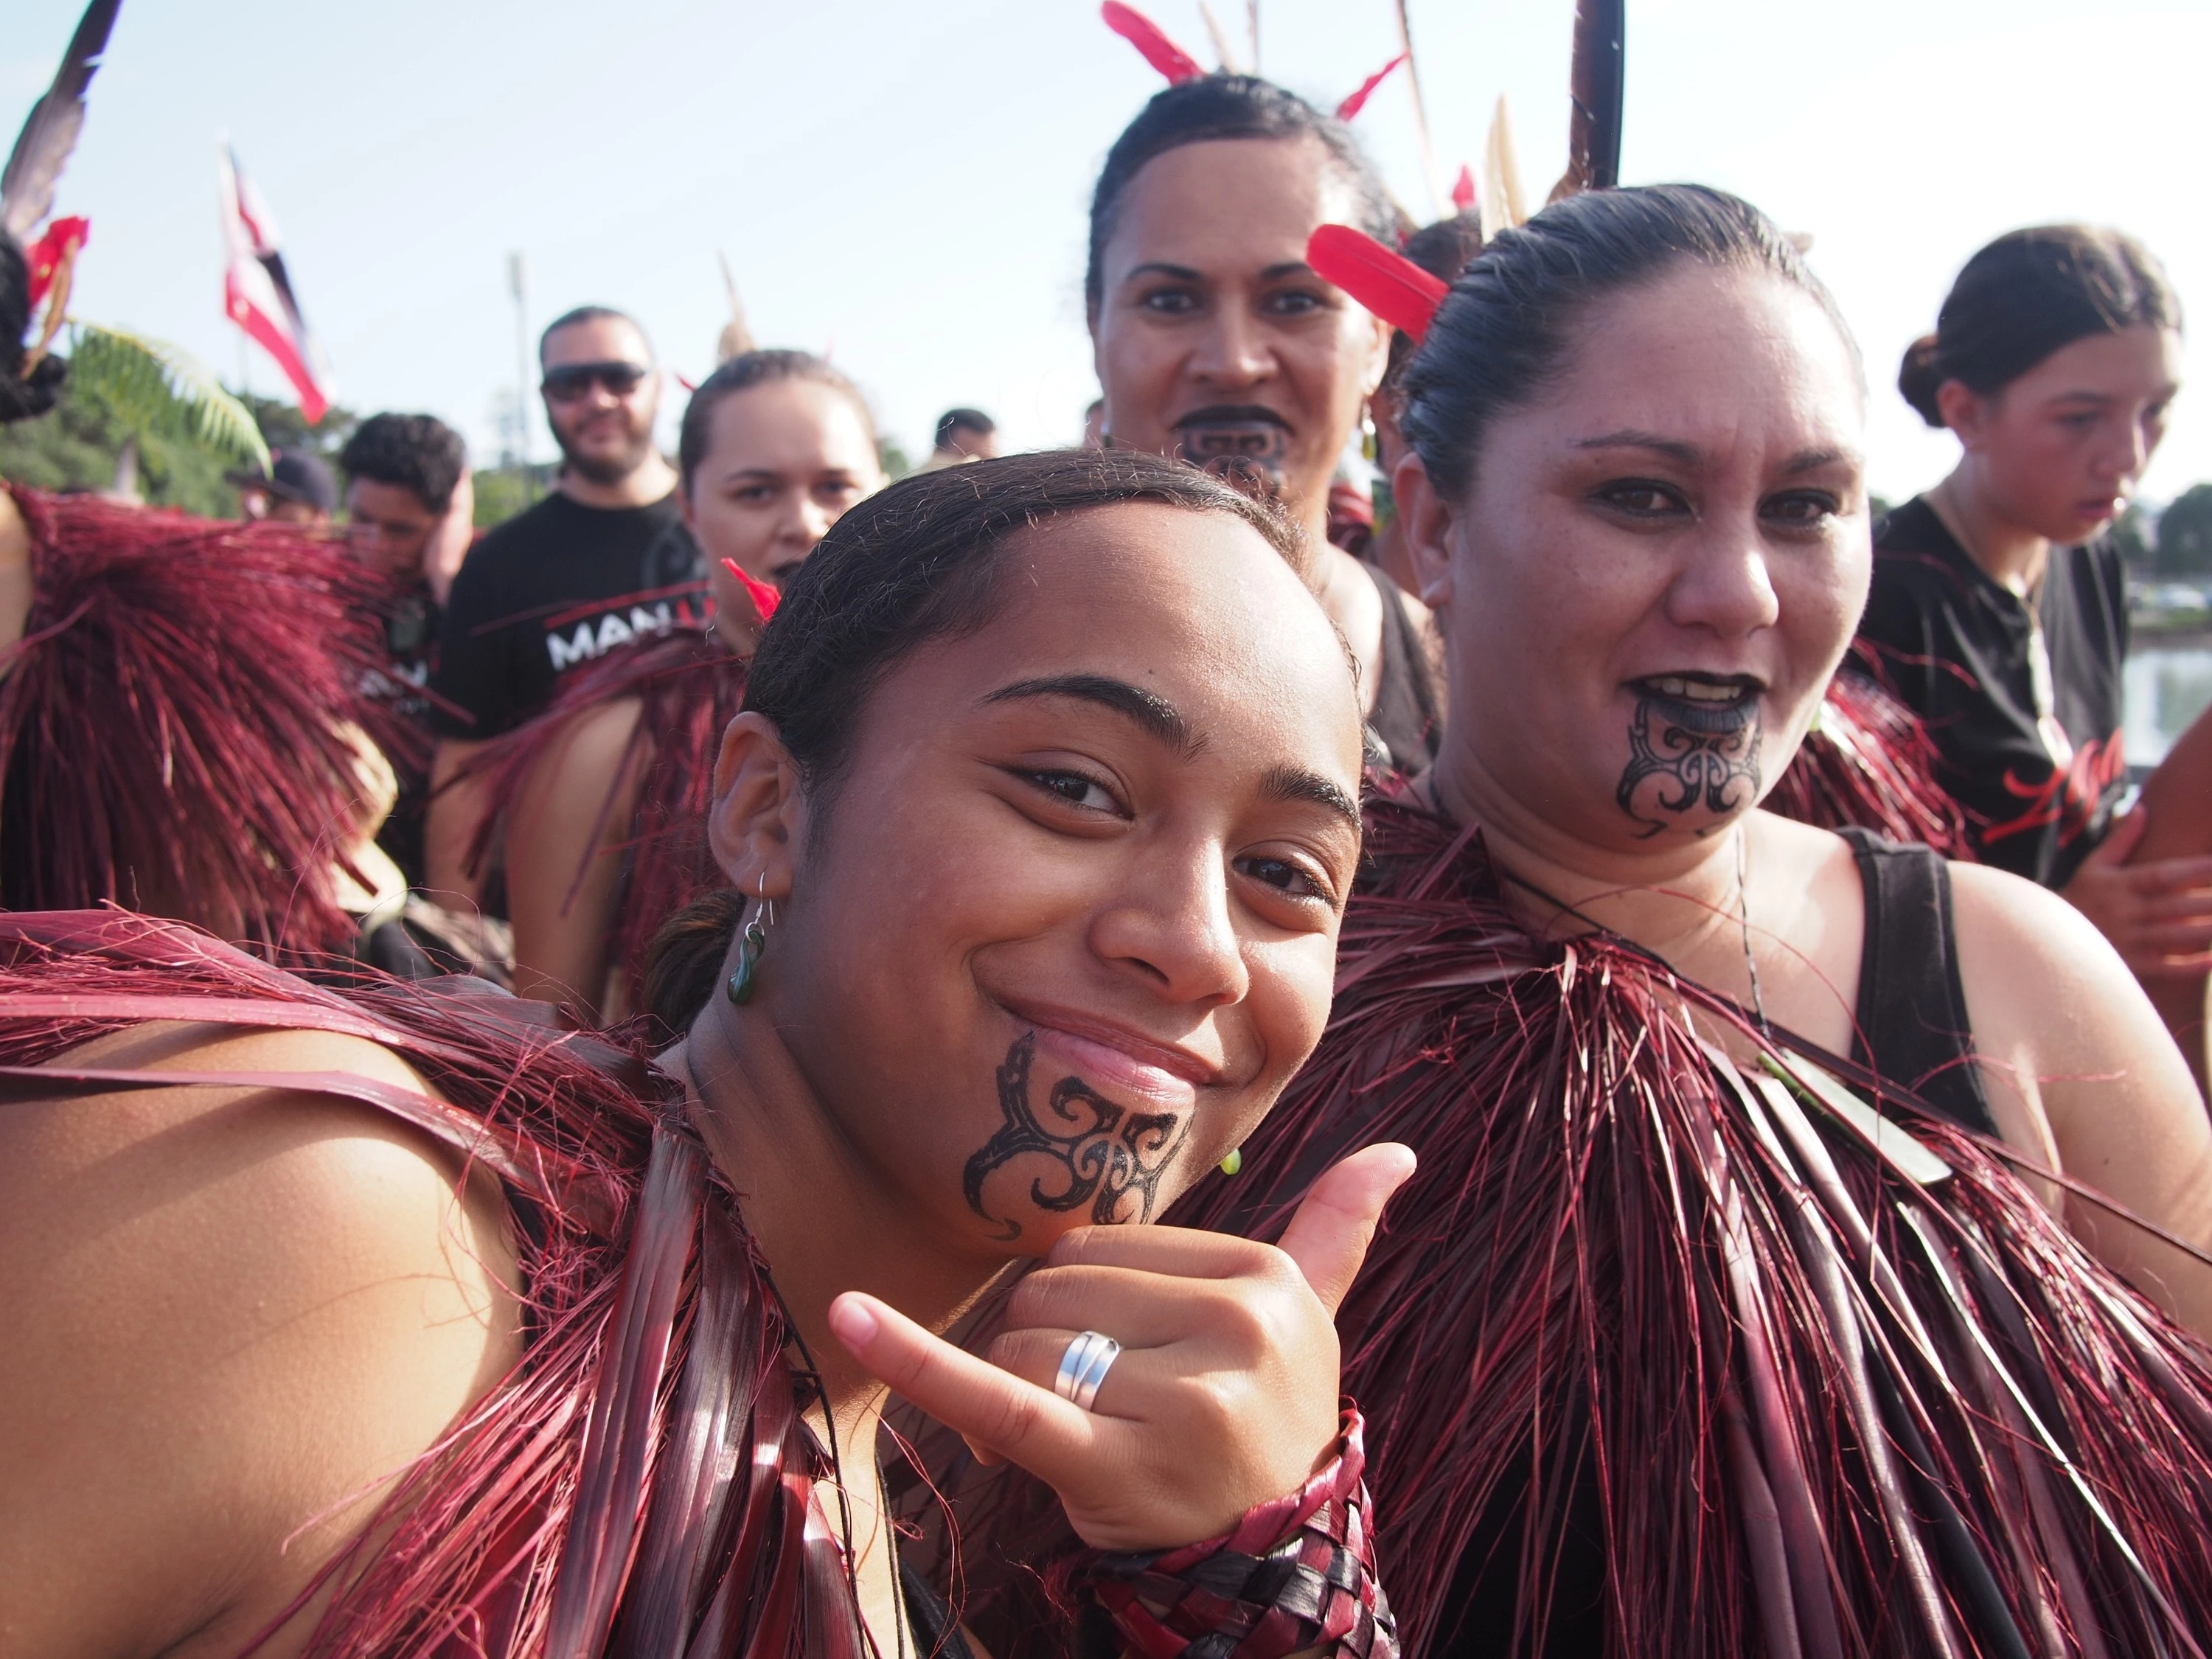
(2079, 1071)
(572, 815)
(450, 823)
(233, 1315)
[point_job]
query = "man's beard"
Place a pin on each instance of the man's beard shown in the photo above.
(602, 469)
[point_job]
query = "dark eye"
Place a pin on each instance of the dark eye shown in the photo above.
(1642, 498)
(1076, 788)
(1169, 301)
(1282, 874)
(1294, 303)
(1802, 509)
(757, 494)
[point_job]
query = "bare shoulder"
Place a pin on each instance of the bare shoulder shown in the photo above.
(582, 760)
(234, 1315)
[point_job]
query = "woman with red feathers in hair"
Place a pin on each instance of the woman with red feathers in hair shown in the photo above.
(599, 804)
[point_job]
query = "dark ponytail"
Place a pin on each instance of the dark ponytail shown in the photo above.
(918, 562)
(1505, 330)
(2023, 297)
(22, 396)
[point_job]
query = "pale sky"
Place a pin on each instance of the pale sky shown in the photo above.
(903, 185)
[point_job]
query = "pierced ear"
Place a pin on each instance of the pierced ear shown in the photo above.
(1428, 517)
(758, 820)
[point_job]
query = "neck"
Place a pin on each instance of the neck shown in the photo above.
(2010, 554)
(1682, 901)
(824, 1219)
(648, 482)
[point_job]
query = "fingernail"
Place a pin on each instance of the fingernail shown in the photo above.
(852, 1321)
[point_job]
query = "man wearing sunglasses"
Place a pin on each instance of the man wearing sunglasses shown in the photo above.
(602, 561)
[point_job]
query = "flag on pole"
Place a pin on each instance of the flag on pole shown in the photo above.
(256, 295)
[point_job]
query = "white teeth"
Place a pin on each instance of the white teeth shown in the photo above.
(1669, 685)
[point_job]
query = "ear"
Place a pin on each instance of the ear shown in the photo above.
(684, 508)
(1428, 516)
(1378, 357)
(1965, 411)
(758, 820)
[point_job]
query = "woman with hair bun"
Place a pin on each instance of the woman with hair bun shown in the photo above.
(1998, 608)
(598, 803)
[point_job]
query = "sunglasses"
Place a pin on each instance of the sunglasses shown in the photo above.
(571, 381)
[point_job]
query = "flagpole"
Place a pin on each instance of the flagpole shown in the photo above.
(514, 287)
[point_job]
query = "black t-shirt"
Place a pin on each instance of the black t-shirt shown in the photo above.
(1959, 648)
(554, 587)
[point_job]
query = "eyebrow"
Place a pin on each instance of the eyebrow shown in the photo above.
(1296, 783)
(1805, 460)
(1185, 274)
(1151, 712)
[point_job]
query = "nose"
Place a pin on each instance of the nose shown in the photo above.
(1171, 927)
(1724, 586)
(809, 524)
(2124, 461)
(1234, 351)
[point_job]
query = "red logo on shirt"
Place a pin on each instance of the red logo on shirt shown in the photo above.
(2068, 797)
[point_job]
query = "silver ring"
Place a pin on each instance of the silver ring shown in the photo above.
(1083, 1367)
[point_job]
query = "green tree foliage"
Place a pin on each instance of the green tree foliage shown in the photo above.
(2131, 532)
(76, 446)
(504, 491)
(2185, 533)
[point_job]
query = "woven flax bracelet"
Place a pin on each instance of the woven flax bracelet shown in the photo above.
(1295, 1573)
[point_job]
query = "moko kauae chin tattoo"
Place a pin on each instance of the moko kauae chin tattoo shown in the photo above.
(1083, 1149)
(1692, 747)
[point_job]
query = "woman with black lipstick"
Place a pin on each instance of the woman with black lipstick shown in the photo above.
(598, 803)
(1215, 341)
(1999, 605)
(401, 1321)
(1809, 1234)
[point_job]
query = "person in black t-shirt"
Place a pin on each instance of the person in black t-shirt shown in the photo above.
(603, 560)
(1999, 607)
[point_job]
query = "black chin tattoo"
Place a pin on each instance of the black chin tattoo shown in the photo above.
(1096, 1152)
(1683, 755)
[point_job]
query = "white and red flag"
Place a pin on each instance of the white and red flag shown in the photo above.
(256, 295)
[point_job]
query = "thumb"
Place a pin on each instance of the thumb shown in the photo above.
(1329, 1235)
(2121, 840)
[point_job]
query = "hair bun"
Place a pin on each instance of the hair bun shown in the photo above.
(1917, 378)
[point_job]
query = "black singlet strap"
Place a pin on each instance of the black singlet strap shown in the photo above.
(1911, 1020)
(936, 1633)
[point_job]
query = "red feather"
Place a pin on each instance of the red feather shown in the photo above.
(1388, 283)
(765, 598)
(1351, 105)
(1463, 194)
(1140, 32)
(46, 256)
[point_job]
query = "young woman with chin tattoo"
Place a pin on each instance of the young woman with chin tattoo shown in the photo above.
(402, 1321)
(1783, 1193)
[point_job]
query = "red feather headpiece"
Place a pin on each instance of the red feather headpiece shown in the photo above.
(1357, 101)
(1140, 32)
(764, 597)
(1387, 282)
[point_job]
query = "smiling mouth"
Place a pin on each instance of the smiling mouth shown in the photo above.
(1710, 705)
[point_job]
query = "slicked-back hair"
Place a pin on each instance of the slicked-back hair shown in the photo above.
(741, 374)
(1215, 106)
(593, 315)
(1506, 329)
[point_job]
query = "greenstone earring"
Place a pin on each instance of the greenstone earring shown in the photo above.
(749, 955)
(1234, 1164)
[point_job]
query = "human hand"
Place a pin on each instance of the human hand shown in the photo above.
(2157, 915)
(1225, 1394)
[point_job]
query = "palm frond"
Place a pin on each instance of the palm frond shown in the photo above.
(160, 388)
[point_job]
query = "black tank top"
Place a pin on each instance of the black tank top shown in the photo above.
(1912, 1019)
(1912, 1029)
(1403, 721)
